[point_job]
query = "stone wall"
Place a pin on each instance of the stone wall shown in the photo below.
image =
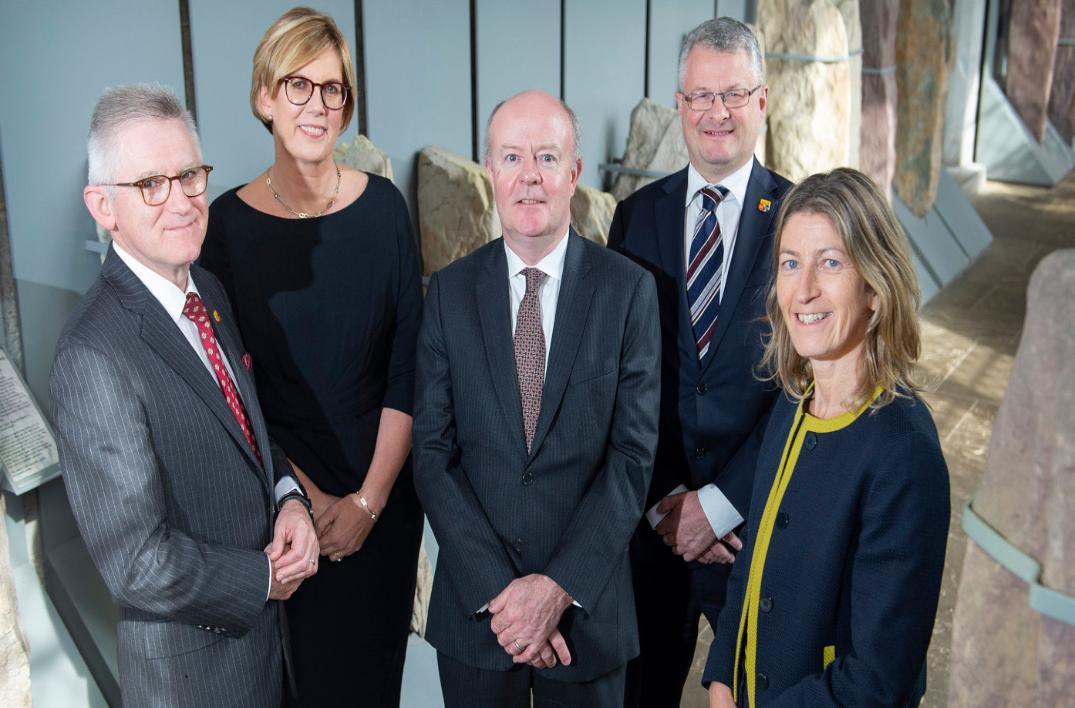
(1033, 28)
(14, 651)
(1062, 94)
(879, 92)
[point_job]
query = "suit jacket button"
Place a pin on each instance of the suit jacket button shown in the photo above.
(518, 545)
(528, 479)
(763, 681)
(811, 441)
(765, 604)
(702, 388)
(782, 520)
(699, 452)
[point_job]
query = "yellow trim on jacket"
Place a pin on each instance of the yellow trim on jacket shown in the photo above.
(748, 619)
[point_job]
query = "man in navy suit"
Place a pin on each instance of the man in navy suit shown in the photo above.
(705, 233)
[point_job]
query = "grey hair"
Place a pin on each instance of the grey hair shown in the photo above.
(576, 131)
(723, 34)
(119, 106)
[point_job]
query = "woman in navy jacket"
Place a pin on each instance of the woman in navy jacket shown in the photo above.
(833, 597)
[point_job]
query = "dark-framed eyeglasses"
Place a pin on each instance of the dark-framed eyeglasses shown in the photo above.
(157, 188)
(299, 90)
(704, 100)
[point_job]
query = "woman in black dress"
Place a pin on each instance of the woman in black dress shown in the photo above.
(320, 264)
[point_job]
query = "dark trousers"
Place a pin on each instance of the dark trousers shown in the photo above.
(469, 687)
(670, 597)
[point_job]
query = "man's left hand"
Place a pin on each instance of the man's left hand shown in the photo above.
(525, 615)
(685, 528)
(294, 549)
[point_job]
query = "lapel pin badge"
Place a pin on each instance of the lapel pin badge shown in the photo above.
(216, 316)
(763, 205)
(247, 361)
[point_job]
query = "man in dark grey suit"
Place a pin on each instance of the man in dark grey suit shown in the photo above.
(535, 428)
(189, 512)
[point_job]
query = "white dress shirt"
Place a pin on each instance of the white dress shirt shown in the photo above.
(552, 266)
(720, 512)
(173, 300)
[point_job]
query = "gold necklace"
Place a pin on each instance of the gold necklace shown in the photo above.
(303, 214)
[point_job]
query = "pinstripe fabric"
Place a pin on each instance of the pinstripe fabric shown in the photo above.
(171, 502)
(568, 509)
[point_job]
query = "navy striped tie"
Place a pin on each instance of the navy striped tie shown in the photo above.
(704, 269)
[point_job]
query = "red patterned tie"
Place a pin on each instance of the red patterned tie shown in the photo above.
(530, 353)
(195, 312)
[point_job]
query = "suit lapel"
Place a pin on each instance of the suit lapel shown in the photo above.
(751, 236)
(670, 212)
(494, 311)
(161, 334)
(572, 311)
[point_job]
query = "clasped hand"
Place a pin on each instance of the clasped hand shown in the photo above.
(686, 529)
(525, 615)
(342, 525)
(293, 551)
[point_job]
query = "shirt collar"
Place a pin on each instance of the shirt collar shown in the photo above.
(171, 298)
(735, 183)
(551, 265)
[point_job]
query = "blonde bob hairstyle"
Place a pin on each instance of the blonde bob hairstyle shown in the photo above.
(292, 42)
(878, 249)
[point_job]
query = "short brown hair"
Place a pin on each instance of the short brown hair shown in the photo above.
(879, 250)
(294, 40)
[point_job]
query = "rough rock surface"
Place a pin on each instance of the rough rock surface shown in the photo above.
(1003, 652)
(1062, 96)
(361, 154)
(14, 652)
(654, 142)
(591, 213)
(1033, 28)
(922, 55)
(851, 12)
(877, 156)
(422, 591)
(809, 116)
(456, 210)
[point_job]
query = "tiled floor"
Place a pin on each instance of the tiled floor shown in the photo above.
(971, 331)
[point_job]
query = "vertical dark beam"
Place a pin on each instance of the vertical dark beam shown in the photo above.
(360, 70)
(645, 71)
(563, 44)
(474, 119)
(188, 58)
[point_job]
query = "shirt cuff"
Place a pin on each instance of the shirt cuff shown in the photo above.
(285, 485)
(269, 590)
(722, 516)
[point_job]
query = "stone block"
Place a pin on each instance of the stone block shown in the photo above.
(361, 154)
(14, 651)
(456, 208)
(809, 113)
(851, 12)
(922, 63)
(1062, 95)
(654, 142)
(1033, 28)
(877, 141)
(1003, 652)
(591, 213)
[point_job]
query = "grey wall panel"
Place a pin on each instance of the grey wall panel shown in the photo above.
(669, 21)
(742, 10)
(417, 80)
(604, 74)
(59, 56)
(224, 36)
(507, 65)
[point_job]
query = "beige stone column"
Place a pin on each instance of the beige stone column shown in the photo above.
(851, 12)
(878, 133)
(1062, 94)
(809, 112)
(1033, 28)
(922, 53)
(1003, 652)
(14, 651)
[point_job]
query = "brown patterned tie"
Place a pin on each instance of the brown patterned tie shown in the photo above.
(530, 352)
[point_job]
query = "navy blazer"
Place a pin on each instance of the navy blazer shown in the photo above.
(568, 508)
(708, 411)
(854, 562)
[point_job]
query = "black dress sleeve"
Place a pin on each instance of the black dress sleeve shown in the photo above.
(399, 392)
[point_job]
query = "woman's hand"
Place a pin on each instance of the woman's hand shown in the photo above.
(720, 696)
(343, 527)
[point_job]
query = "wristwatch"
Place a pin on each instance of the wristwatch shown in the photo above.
(302, 499)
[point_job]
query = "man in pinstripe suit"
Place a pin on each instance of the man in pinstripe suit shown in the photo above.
(534, 432)
(188, 511)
